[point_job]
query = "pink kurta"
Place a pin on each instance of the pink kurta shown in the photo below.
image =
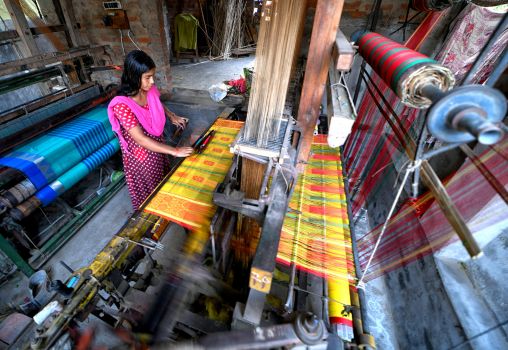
(144, 169)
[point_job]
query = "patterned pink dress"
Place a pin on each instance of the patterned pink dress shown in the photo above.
(144, 169)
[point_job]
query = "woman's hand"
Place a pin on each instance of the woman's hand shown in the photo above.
(183, 151)
(180, 122)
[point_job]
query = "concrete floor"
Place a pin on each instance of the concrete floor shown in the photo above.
(201, 76)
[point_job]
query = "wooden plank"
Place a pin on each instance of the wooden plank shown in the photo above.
(343, 52)
(21, 25)
(326, 23)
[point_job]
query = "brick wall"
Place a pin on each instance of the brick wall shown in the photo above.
(356, 13)
(146, 20)
(149, 23)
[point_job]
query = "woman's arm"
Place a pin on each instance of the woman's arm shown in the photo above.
(177, 120)
(150, 144)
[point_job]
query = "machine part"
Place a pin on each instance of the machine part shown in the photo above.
(78, 302)
(306, 330)
(39, 285)
(343, 53)
(263, 264)
(274, 148)
(309, 329)
(86, 282)
(450, 210)
(27, 78)
(226, 197)
(71, 227)
(49, 309)
(466, 113)
(17, 194)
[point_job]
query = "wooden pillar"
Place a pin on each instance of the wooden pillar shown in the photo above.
(22, 27)
(165, 42)
(324, 31)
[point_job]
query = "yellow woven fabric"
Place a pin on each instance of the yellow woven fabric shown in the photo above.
(186, 197)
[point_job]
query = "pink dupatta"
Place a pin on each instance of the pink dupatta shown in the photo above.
(152, 120)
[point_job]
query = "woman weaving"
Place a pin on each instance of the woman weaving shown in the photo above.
(138, 118)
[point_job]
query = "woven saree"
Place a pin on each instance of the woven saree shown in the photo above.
(315, 235)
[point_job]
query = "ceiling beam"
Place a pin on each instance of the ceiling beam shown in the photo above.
(21, 24)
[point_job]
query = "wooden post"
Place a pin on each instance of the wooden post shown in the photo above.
(165, 42)
(449, 209)
(324, 31)
(70, 22)
(21, 24)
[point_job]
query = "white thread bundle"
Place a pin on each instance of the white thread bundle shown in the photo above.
(278, 41)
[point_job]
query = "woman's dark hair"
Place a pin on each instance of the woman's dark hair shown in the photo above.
(136, 63)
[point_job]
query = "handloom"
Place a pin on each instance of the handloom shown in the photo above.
(316, 237)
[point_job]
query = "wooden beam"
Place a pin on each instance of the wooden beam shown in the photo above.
(343, 52)
(163, 15)
(21, 25)
(47, 58)
(12, 34)
(324, 30)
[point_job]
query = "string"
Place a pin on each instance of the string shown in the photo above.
(274, 62)
(409, 170)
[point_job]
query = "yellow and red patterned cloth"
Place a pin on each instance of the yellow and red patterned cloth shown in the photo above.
(316, 236)
(186, 197)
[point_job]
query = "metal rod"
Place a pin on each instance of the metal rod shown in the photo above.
(418, 155)
(468, 79)
(432, 92)
(443, 149)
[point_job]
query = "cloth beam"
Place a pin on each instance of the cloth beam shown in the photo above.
(45, 158)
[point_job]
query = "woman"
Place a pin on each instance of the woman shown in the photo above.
(138, 118)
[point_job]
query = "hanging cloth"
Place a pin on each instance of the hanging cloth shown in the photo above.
(186, 32)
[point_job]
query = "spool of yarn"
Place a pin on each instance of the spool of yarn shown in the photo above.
(405, 71)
